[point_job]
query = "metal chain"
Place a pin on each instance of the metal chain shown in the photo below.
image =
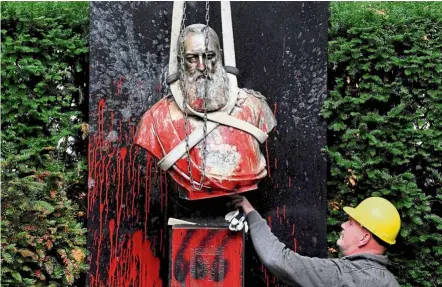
(207, 13)
(206, 75)
(184, 92)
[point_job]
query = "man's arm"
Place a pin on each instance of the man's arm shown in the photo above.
(285, 264)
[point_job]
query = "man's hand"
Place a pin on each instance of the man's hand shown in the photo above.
(240, 201)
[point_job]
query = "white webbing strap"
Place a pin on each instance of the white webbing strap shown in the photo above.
(177, 17)
(178, 151)
(196, 136)
(215, 118)
(230, 121)
(228, 44)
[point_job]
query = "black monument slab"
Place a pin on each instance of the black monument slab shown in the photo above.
(281, 51)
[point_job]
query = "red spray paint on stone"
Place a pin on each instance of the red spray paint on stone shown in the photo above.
(115, 182)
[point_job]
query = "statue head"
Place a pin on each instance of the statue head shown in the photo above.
(196, 62)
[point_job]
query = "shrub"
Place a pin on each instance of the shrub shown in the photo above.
(44, 80)
(385, 124)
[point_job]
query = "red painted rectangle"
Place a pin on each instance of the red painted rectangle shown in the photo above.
(206, 256)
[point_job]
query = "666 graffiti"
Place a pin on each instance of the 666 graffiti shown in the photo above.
(206, 257)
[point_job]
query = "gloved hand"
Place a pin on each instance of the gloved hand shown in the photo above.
(237, 221)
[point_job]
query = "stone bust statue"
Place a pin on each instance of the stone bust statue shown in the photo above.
(227, 158)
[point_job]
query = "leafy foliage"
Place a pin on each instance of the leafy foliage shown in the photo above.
(44, 79)
(385, 124)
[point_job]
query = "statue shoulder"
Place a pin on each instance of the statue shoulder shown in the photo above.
(162, 104)
(253, 93)
(253, 98)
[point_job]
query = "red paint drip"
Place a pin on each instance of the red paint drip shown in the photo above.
(147, 189)
(120, 133)
(268, 162)
(136, 266)
(111, 234)
(274, 109)
(131, 261)
(120, 85)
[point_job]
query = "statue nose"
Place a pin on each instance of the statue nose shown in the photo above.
(201, 65)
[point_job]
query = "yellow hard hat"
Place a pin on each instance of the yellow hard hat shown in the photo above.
(379, 216)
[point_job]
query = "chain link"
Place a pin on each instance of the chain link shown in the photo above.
(206, 77)
(184, 92)
(207, 13)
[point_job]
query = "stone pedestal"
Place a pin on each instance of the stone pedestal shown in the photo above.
(206, 256)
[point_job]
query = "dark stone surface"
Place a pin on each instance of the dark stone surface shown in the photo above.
(280, 51)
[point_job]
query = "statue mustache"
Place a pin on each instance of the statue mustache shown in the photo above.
(199, 75)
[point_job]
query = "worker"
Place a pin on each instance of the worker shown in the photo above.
(372, 226)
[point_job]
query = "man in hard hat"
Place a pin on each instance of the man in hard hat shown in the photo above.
(372, 226)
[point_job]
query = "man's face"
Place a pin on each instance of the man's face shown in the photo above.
(351, 235)
(195, 65)
(195, 56)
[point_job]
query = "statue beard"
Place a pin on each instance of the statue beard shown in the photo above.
(217, 89)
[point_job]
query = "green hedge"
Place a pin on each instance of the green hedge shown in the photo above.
(384, 111)
(43, 151)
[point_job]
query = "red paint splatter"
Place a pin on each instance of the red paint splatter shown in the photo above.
(115, 184)
(147, 189)
(268, 161)
(123, 153)
(119, 85)
(198, 104)
(136, 266)
(111, 234)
